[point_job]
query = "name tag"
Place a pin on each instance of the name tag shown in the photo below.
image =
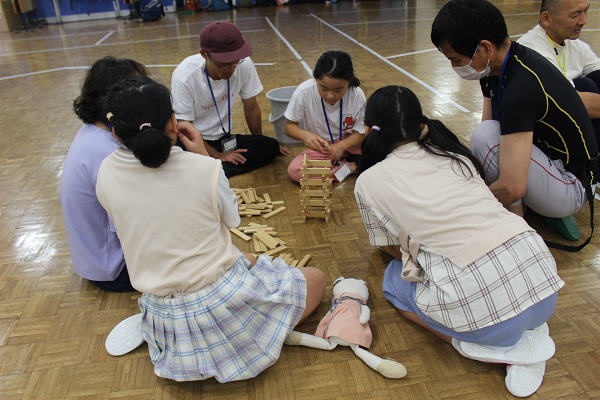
(342, 173)
(229, 144)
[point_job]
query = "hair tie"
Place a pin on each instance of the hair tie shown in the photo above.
(109, 116)
(375, 128)
(424, 120)
(145, 124)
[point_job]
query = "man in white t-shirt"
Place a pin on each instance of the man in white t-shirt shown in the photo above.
(205, 87)
(556, 37)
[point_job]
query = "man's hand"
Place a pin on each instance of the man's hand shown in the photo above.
(234, 156)
(191, 138)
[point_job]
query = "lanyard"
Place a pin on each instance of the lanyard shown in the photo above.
(217, 107)
(500, 83)
(561, 64)
(327, 119)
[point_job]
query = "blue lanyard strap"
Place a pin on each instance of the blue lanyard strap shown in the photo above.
(217, 107)
(327, 119)
(500, 83)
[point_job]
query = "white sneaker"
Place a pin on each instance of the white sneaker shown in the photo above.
(125, 337)
(524, 380)
(533, 347)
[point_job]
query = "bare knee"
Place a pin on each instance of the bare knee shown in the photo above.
(315, 289)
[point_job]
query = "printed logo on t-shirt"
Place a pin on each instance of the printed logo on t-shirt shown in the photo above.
(348, 122)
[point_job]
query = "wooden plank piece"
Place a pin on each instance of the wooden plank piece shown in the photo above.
(277, 211)
(304, 260)
(241, 234)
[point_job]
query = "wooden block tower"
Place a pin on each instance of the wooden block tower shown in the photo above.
(315, 191)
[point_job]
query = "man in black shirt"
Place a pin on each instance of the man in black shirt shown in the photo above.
(536, 139)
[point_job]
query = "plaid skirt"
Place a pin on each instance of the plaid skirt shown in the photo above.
(232, 329)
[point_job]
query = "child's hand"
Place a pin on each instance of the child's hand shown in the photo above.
(315, 143)
(336, 151)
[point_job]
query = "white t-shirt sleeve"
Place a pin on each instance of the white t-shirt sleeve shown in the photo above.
(297, 105)
(250, 82)
(183, 98)
(591, 62)
(359, 125)
(228, 205)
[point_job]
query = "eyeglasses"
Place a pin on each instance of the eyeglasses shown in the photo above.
(223, 67)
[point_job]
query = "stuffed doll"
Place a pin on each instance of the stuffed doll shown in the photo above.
(347, 324)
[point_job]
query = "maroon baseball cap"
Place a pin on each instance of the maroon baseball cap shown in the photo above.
(224, 41)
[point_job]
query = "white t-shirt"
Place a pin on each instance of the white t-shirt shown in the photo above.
(306, 106)
(192, 99)
(579, 58)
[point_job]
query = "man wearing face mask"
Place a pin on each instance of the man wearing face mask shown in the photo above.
(536, 140)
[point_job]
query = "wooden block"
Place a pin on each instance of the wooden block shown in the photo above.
(245, 198)
(241, 234)
(316, 163)
(257, 206)
(254, 224)
(249, 212)
(303, 262)
(256, 244)
(267, 239)
(253, 230)
(294, 263)
(260, 199)
(315, 202)
(277, 211)
(262, 246)
(275, 250)
(279, 240)
(267, 198)
(316, 171)
(277, 202)
(251, 196)
(314, 183)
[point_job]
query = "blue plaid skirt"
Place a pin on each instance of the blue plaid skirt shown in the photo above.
(232, 329)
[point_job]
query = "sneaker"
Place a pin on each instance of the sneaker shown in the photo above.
(543, 329)
(566, 226)
(125, 337)
(533, 347)
(524, 380)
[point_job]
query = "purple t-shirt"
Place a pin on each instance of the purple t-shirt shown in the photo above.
(95, 248)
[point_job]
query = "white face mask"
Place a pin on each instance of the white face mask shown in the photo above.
(469, 73)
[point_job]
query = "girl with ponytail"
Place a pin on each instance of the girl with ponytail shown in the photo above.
(458, 253)
(331, 109)
(203, 300)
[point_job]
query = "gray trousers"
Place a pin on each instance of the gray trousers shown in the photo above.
(551, 190)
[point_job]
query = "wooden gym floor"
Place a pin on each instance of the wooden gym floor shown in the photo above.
(53, 324)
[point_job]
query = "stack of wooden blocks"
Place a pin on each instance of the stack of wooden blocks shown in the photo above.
(265, 241)
(250, 204)
(315, 189)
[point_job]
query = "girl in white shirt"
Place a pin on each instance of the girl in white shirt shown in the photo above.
(465, 268)
(331, 106)
(207, 309)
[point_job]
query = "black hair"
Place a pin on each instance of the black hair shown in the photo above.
(336, 64)
(549, 5)
(464, 23)
(141, 109)
(395, 117)
(102, 75)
